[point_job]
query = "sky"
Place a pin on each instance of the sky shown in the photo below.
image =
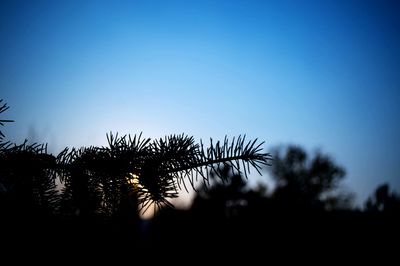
(320, 74)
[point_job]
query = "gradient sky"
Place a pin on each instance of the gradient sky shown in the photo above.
(321, 74)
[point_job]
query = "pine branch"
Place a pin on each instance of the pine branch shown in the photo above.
(233, 155)
(28, 168)
(176, 159)
(160, 167)
(3, 108)
(103, 175)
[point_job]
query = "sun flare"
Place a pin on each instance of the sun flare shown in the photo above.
(133, 179)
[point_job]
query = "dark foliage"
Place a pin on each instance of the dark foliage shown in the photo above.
(27, 178)
(113, 181)
(383, 200)
(307, 183)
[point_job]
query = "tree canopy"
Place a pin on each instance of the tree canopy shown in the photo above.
(306, 182)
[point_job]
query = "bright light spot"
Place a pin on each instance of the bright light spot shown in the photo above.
(133, 179)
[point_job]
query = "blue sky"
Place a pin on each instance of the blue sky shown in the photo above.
(321, 74)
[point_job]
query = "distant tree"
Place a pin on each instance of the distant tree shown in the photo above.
(307, 183)
(383, 200)
(224, 195)
(228, 195)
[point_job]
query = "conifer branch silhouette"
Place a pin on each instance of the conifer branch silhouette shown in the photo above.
(3, 108)
(27, 172)
(154, 171)
(101, 180)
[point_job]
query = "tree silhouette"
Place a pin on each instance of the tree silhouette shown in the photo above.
(101, 179)
(383, 201)
(111, 181)
(225, 213)
(27, 177)
(306, 183)
(223, 196)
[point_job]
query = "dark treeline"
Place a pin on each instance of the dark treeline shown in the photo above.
(308, 209)
(92, 196)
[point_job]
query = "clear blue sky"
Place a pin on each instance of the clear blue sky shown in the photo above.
(321, 74)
